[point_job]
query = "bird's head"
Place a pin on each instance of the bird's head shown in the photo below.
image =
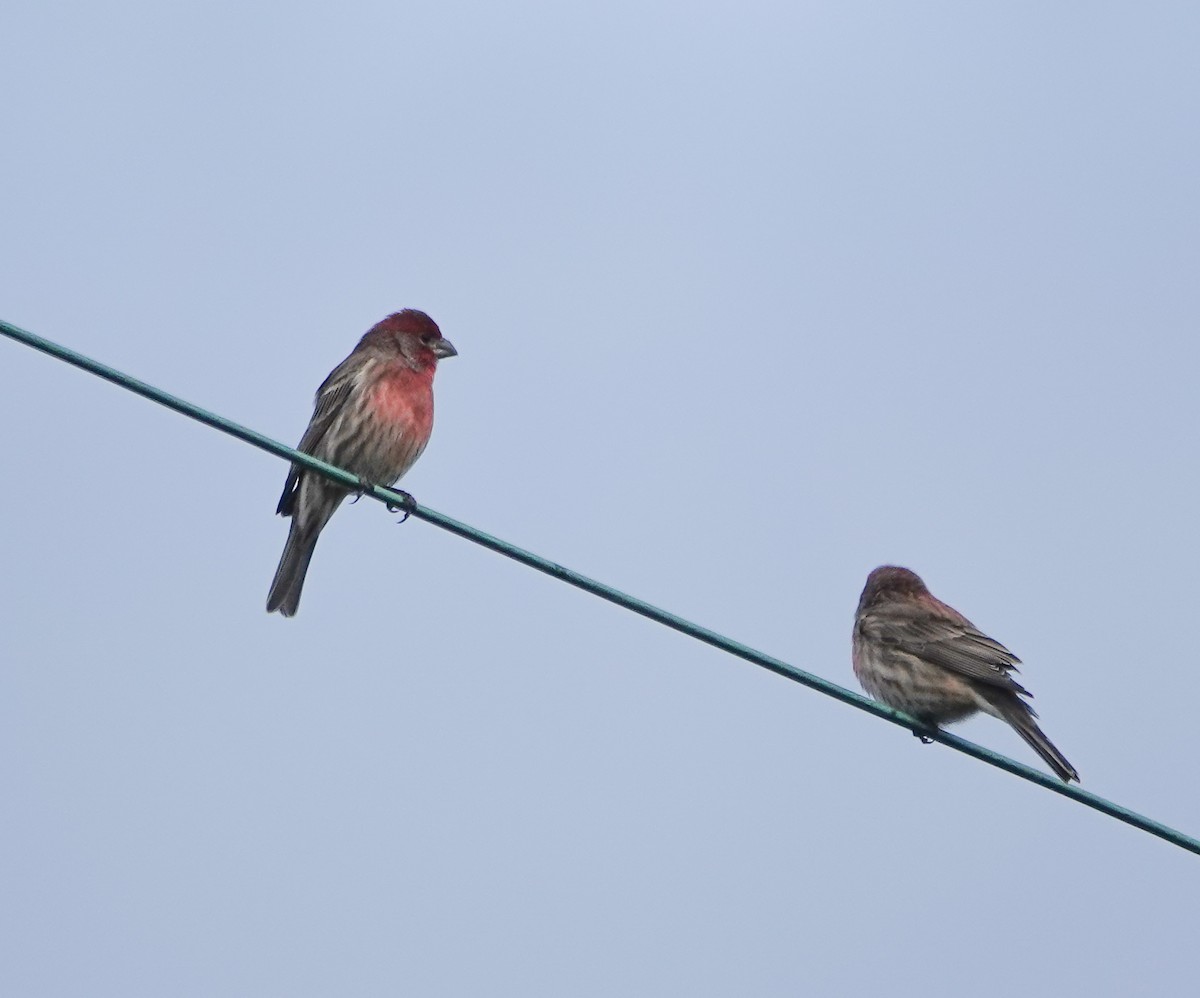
(415, 336)
(889, 582)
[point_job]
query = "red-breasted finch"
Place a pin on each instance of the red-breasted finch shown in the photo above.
(373, 417)
(919, 655)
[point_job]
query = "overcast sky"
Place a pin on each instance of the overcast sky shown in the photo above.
(749, 298)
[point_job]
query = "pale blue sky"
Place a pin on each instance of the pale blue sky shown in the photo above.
(749, 298)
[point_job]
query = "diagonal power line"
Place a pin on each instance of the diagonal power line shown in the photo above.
(563, 574)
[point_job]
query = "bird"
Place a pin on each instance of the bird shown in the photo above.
(372, 417)
(914, 653)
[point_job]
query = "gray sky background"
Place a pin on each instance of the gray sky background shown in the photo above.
(749, 299)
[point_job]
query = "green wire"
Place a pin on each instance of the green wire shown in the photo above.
(396, 499)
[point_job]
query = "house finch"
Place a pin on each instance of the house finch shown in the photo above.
(373, 416)
(919, 655)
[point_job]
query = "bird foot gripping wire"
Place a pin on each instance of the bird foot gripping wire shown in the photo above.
(407, 505)
(925, 737)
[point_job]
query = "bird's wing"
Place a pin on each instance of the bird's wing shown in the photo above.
(953, 644)
(331, 397)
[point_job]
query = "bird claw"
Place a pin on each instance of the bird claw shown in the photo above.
(407, 502)
(924, 737)
(407, 505)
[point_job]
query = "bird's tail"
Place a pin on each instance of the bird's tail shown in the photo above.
(1021, 716)
(289, 576)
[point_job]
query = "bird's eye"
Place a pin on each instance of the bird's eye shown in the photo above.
(428, 338)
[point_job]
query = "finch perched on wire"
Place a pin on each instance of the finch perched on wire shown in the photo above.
(373, 417)
(918, 655)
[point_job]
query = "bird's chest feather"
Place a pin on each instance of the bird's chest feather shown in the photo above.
(403, 399)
